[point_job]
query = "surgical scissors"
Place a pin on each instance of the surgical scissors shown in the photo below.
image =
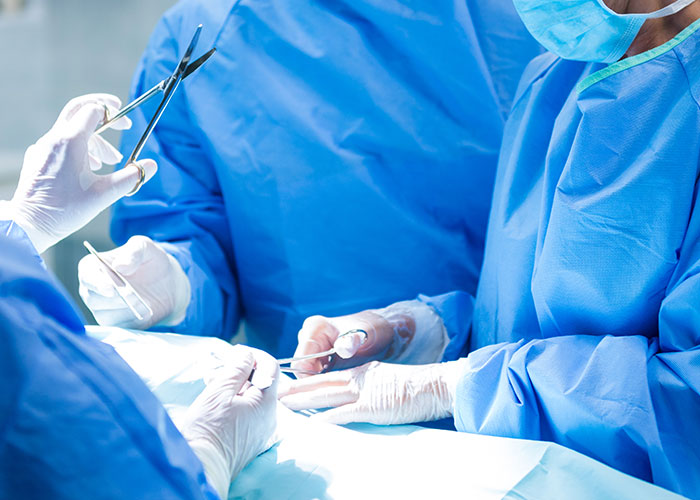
(329, 353)
(167, 87)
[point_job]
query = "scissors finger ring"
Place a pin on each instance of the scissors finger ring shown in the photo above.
(142, 178)
(106, 109)
(325, 354)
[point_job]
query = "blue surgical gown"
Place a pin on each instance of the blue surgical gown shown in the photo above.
(586, 324)
(75, 420)
(332, 156)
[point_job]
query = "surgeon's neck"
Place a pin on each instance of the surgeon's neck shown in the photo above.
(656, 32)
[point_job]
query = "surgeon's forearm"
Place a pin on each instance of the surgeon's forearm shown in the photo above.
(536, 389)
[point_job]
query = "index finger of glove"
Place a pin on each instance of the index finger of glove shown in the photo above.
(85, 121)
(322, 397)
(308, 384)
(74, 105)
(267, 372)
(235, 372)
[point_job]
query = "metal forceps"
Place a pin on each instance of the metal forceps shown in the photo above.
(167, 87)
(325, 354)
(123, 288)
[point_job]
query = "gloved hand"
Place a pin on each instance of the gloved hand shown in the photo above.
(232, 420)
(58, 192)
(151, 271)
(378, 393)
(405, 332)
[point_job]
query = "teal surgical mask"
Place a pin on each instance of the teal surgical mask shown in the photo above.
(586, 30)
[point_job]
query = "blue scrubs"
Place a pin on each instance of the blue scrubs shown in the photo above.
(586, 325)
(331, 157)
(75, 420)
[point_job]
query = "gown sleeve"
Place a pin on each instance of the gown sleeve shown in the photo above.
(14, 232)
(630, 401)
(455, 309)
(182, 207)
(75, 420)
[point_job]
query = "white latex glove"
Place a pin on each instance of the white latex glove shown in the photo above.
(58, 192)
(232, 421)
(151, 271)
(405, 332)
(378, 393)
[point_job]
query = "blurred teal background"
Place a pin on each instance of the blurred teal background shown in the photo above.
(54, 50)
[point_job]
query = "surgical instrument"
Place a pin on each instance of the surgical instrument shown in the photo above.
(123, 288)
(148, 95)
(167, 87)
(329, 353)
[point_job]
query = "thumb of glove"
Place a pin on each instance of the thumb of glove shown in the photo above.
(124, 181)
(347, 344)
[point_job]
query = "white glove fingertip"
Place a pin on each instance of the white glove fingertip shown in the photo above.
(150, 167)
(262, 381)
(86, 119)
(126, 180)
(347, 346)
(108, 99)
(266, 371)
(123, 123)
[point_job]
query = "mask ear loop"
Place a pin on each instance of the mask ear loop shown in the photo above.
(669, 10)
(637, 19)
(674, 8)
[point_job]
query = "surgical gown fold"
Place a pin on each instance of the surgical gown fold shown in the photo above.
(586, 323)
(330, 157)
(75, 420)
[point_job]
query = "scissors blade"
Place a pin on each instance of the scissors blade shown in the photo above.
(168, 92)
(184, 62)
(142, 99)
(156, 90)
(196, 64)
